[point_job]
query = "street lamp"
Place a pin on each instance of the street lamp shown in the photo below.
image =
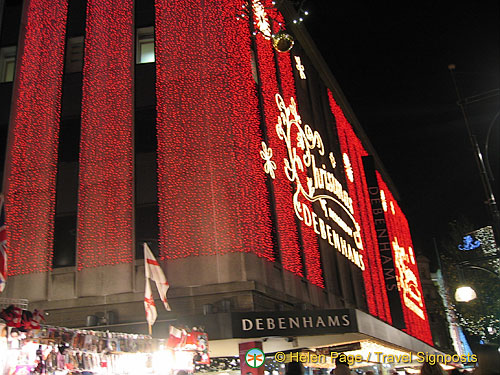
(465, 293)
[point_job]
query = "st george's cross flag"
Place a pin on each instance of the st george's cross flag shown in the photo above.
(3, 245)
(149, 305)
(154, 272)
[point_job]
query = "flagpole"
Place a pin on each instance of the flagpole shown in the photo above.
(146, 294)
(153, 271)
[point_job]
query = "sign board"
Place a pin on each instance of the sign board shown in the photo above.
(292, 323)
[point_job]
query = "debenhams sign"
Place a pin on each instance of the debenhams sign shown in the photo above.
(292, 323)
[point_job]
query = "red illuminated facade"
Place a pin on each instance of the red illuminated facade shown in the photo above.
(208, 136)
(373, 278)
(31, 172)
(310, 248)
(106, 185)
(282, 191)
(399, 234)
(234, 161)
(412, 296)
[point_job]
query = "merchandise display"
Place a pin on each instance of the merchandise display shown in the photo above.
(56, 350)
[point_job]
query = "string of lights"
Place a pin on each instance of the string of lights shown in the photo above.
(487, 327)
(309, 239)
(105, 204)
(253, 199)
(204, 165)
(409, 285)
(285, 216)
(35, 130)
(351, 145)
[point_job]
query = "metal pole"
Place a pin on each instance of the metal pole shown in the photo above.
(490, 197)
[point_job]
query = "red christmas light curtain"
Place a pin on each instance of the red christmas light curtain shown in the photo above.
(285, 215)
(211, 186)
(255, 219)
(105, 206)
(310, 245)
(410, 288)
(34, 135)
(351, 145)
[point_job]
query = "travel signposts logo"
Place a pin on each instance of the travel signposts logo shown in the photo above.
(255, 358)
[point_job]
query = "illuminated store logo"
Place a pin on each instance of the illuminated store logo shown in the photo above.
(261, 19)
(469, 244)
(300, 68)
(407, 280)
(323, 187)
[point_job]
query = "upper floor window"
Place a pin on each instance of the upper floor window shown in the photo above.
(74, 54)
(145, 45)
(7, 63)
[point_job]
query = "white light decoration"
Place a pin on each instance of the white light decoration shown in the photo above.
(383, 200)
(348, 167)
(323, 187)
(412, 256)
(332, 160)
(300, 68)
(269, 165)
(261, 19)
(465, 294)
(407, 280)
(392, 208)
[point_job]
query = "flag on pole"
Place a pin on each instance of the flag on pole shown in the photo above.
(3, 245)
(149, 304)
(154, 272)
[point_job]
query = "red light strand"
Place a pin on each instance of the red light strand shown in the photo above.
(35, 130)
(285, 216)
(350, 144)
(105, 206)
(314, 272)
(211, 186)
(397, 226)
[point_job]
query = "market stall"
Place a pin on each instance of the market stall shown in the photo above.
(57, 350)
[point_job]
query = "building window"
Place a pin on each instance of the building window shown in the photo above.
(74, 54)
(7, 64)
(146, 229)
(64, 241)
(145, 45)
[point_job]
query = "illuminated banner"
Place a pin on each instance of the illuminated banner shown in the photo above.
(305, 150)
(384, 243)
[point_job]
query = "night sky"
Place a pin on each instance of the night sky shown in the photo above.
(391, 60)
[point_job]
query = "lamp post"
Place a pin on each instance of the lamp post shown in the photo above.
(480, 161)
(465, 293)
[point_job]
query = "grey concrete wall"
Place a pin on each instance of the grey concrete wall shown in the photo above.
(235, 281)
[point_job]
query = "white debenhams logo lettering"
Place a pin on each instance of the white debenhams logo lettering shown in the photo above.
(281, 323)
